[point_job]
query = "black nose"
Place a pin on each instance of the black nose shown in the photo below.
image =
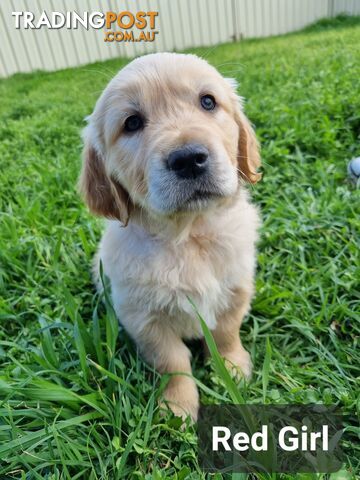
(189, 161)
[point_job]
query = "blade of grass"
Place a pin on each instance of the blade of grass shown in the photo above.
(81, 351)
(266, 368)
(44, 433)
(47, 344)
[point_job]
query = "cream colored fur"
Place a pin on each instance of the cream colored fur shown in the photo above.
(166, 255)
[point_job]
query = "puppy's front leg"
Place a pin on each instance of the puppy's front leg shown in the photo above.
(161, 347)
(227, 335)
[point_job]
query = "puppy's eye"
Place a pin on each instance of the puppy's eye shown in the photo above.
(208, 102)
(133, 123)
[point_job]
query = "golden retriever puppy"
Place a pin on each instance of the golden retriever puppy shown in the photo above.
(167, 153)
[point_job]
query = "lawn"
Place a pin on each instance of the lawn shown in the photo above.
(76, 401)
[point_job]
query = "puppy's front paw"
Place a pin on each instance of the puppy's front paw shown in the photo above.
(238, 362)
(182, 397)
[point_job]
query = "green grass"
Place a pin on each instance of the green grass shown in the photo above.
(75, 399)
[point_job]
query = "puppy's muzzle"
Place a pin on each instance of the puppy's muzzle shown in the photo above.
(189, 162)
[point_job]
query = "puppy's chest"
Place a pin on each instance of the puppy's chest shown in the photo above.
(197, 264)
(201, 269)
(154, 275)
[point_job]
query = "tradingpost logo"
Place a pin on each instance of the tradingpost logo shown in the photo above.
(122, 26)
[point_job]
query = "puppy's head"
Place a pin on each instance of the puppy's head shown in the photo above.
(168, 135)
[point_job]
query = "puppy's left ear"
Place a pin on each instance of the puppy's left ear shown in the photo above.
(248, 147)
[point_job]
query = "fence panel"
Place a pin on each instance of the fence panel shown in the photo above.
(181, 24)
(351, 7)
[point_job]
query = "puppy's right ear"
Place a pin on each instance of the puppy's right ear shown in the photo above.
(103, 195)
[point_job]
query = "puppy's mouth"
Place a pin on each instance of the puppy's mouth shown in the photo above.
(170, 194)
(199, 195)
(198, 200)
